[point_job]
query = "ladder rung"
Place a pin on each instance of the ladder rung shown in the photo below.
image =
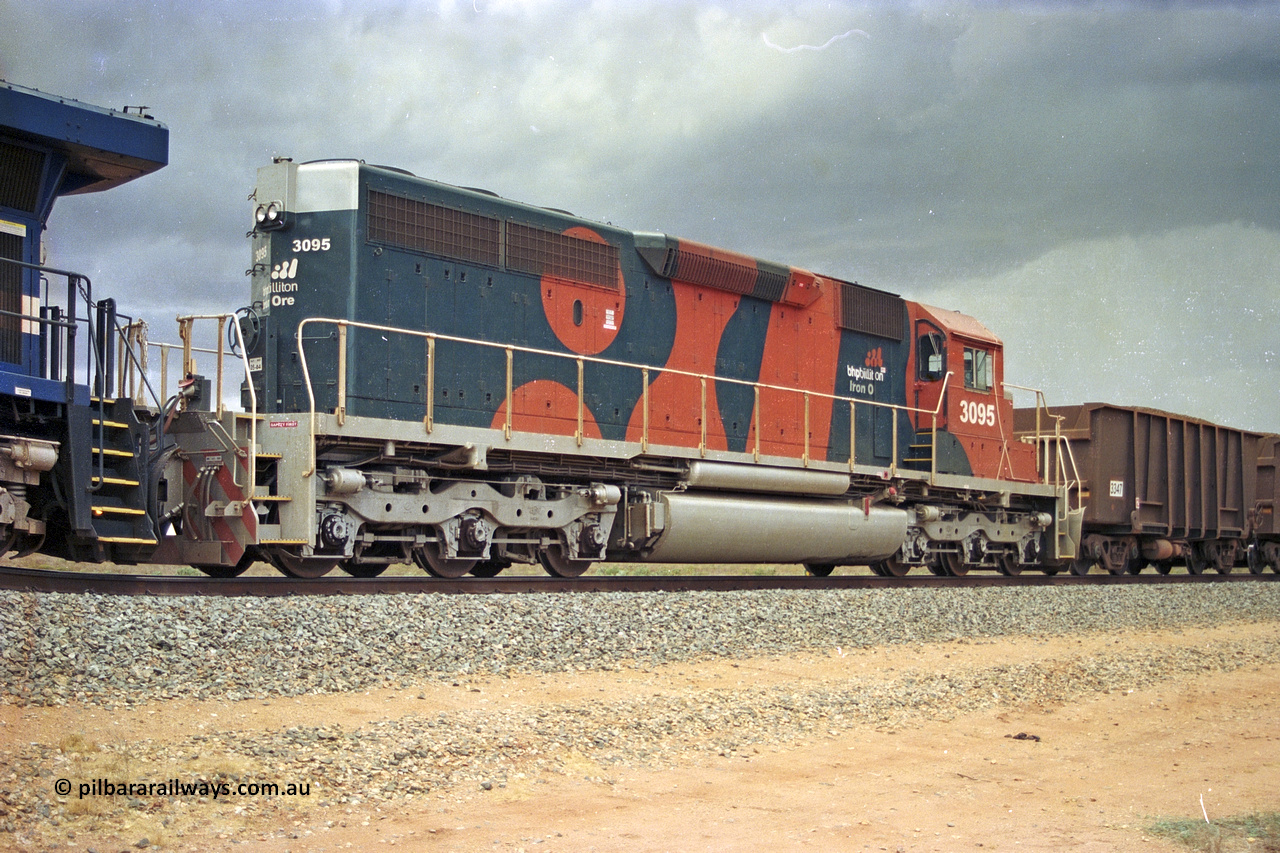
(276, 498)
(261, 455)
(114, 424)
(127, 540)
(118, 510)
(109, 451)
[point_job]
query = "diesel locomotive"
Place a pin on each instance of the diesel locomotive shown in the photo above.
(438, 375)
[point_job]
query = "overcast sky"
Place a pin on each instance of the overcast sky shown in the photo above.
(1099, 184)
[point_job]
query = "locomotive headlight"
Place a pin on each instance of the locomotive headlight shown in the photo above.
(269, 216)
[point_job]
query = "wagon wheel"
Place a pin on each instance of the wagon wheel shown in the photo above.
(559, 566)
(1197, 562)
(822, 570)
(1163, 567)
(1081, 566)
(1253, 556)
(1221, 556)
(429, 558)
(297, 566)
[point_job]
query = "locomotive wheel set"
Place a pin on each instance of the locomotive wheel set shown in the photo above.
(440, 376)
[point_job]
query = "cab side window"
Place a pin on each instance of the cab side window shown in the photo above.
(932, 357)
(977, 369)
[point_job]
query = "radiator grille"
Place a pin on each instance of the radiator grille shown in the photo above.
(455, 234)
(872, 312)
(540, 252)
(433, 229)
(10, 299)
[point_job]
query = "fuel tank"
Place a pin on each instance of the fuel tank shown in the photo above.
(699, 527)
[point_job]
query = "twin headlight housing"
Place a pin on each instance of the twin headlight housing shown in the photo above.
(269, 216)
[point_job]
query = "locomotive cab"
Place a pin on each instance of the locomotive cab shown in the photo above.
(958, 372)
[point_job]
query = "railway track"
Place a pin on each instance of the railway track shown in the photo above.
(41, 580)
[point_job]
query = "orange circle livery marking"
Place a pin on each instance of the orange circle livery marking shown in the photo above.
(585, 317)
(546, 406)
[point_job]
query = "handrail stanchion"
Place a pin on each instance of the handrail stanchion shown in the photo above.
(702, 419)
(506, 426)
(806, 429)
(755, 416)
(341, 410)
(429, 422)
(853, 435)
(581, 402)
(644, 404)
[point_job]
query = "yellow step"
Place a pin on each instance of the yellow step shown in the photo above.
(113, 424)
(117, 510)
(127, 540)
(114, 481)
(108, 451)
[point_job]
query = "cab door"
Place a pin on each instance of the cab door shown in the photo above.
(930, 358)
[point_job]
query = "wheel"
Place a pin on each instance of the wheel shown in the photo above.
(489, 568)
(1136, 565)
(216, 571)
(1253, 557)
(894, 568)
(822, 570)
(1008, 564)
(362, 570)
(1163, 567)
(1197, 562)
(1221, 555)
(296, 566)
(559, 566)
(428, 557)
(953, 563)
(1081, 566)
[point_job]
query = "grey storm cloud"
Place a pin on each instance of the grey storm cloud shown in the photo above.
(1098, 183)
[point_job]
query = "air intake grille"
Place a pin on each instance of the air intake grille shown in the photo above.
(539, 252)
(434, 230)
(10, 300)
(872, 312)
(20, 170)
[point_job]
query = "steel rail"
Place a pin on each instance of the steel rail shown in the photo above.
(99, 583)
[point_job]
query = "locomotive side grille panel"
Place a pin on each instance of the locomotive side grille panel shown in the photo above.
(871, 312)
(540, 252)
(20, 171)
(433, 229)
(10, 299)
(722, 273)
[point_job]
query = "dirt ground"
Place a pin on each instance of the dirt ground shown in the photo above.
(1101, 771)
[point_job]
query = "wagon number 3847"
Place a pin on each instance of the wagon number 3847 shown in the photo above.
(982, 414)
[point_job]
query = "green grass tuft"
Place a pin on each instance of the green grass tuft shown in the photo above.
(1257, 833)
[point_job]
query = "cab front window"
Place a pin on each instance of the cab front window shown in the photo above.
(977, 369)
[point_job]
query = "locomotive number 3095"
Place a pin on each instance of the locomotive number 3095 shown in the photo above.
(319, 244)
(982, 414)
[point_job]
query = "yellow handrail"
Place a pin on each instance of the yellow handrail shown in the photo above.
(581, 360)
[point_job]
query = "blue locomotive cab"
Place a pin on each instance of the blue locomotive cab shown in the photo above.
(55, 425)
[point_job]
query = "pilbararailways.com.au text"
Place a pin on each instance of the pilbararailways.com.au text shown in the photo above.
(177, 788)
